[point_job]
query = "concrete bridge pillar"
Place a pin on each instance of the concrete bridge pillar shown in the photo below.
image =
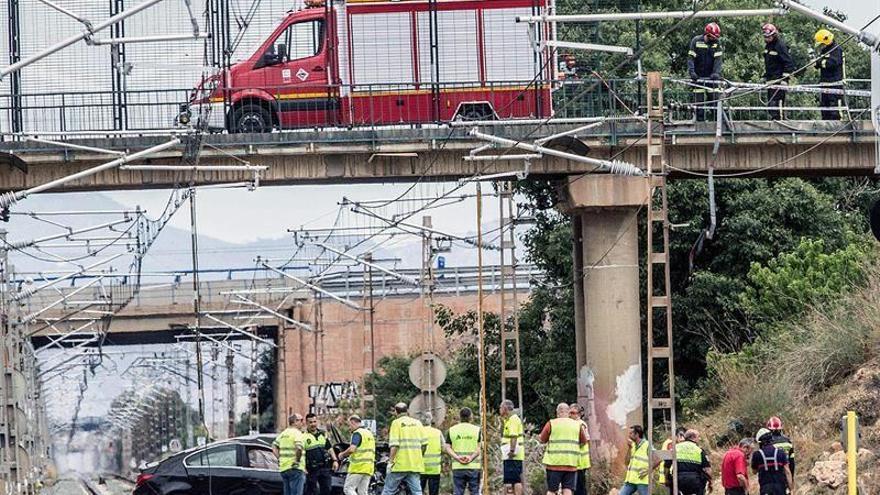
(604, 211)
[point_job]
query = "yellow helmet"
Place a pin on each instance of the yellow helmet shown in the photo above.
(824, 37)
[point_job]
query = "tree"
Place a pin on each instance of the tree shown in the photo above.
(390, 385)
(662, 46)
(266, 370)
(784, 287)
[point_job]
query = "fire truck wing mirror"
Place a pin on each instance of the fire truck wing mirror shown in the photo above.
(282, 52)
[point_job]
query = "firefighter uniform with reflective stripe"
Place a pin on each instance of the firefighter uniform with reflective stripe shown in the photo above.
(406, 434)
(691, 460)
(287, 442)
(363, 460)
(831, 69)
(770, 462)
(704, 62)
(638, 470)
(778, 66)
(704, 58)
(784, 444)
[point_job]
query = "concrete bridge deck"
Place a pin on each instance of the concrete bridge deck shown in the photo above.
(404, 154)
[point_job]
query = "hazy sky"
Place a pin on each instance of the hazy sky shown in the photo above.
(859, 11)
(240, 216)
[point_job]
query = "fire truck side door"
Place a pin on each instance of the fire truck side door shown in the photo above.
(299, 77)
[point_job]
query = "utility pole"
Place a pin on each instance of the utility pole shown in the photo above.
(7, 408)
(197, 309)
(426, 294)
(427, 282)
(368, 258)
(230, 392)
(254, 394)
(190, 438)
(511, 372)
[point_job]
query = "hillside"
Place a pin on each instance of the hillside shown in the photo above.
(827, 363)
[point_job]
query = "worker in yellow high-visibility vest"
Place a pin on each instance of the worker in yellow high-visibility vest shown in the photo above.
(583, 471)
(433, 460)
(362, 465)
(663, 477)
(405, 461)
(463, 445)
(288, 448)
(564, 438)
(638, 465)
(513, 450)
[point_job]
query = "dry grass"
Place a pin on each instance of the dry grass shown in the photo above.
(810, 374)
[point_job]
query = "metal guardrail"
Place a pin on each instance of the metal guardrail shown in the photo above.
(109, 113)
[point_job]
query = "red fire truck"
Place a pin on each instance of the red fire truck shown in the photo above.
(373, 62)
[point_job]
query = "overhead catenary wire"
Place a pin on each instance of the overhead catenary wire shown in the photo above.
(843, 127)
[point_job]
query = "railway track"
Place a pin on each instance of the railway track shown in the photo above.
(107, 484)
(89, 486)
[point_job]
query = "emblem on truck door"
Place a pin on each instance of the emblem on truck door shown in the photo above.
(285, 75)
(302, 74)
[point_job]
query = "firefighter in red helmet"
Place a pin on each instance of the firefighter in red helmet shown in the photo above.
(778, 67)
(704, 66)
(780, 441)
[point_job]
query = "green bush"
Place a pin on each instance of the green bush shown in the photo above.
(790, 283)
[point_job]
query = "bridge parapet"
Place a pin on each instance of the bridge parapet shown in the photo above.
(405, 154)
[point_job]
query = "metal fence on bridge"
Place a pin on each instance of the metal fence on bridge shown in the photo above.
(115, 89)
(144, 111)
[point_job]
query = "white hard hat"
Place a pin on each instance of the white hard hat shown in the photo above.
(761, 433)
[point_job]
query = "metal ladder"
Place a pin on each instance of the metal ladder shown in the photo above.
(659, 296)
(511, 370)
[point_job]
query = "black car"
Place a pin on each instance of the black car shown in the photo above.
(239, 466)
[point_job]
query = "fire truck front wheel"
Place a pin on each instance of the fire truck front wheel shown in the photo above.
(251, 118)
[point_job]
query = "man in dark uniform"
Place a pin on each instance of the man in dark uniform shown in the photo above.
(704, 62)
(694, 470)
(320, 458)
(831, 68)
(780, 441)
(771, 466)
(778, 66)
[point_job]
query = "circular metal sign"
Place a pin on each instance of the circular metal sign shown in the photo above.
(427, 372)
(428, 402)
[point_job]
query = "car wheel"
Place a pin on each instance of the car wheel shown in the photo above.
(251, 118)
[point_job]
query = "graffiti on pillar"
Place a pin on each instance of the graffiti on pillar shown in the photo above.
(326, 398)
